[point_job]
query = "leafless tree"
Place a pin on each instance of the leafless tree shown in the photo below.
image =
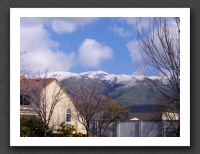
(41, 101)
(112, 112)
(89, 101)
(159, 46)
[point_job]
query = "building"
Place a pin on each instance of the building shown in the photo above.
(47, 97)
(149, 120)
(145, 112)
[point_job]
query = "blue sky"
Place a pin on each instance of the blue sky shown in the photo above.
(101, 31)
(78, 45)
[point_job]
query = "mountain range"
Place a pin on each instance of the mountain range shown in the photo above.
(125, 89)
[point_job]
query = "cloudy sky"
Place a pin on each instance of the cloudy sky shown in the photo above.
(78, 45)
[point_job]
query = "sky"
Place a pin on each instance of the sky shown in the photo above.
(78, 45)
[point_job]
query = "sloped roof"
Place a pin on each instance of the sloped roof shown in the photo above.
(32, 84)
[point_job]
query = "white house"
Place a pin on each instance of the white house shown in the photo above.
(51, 94)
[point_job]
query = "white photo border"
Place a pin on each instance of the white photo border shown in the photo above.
(16, 140)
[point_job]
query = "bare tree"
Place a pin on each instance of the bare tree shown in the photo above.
(159, 45)
(41, 101)
(170, 109)
(88, 101)
(112, 112)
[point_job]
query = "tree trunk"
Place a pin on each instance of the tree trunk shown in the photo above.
(87, 132)
(45, 132)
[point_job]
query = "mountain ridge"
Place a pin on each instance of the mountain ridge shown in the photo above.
(125, 89)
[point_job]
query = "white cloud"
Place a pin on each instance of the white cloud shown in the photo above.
(93, 53)
(40, 61)
(133, 48)
(67, 25)
(127, 26)
(120, 31)
(150, 31)
(144, 60)
(130, 20)
(137, 20)
(34, 38)
(38, 52)
(58, 24)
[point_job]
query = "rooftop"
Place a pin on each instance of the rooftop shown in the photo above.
(31, 84)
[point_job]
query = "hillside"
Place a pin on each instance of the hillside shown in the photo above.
(126, 89)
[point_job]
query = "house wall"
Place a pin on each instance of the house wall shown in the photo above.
(60, 110)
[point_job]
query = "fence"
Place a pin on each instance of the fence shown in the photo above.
(137, 128)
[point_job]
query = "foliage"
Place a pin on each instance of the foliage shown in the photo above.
(24, 131)
(114, 110)
(78, 135)
(31, 126)
(39, 96)
(68, 131)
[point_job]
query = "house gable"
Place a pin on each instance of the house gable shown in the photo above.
(50, 88)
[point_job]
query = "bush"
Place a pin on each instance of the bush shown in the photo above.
(79, 135)
(69, 131)
(24, 131)
(31, 126)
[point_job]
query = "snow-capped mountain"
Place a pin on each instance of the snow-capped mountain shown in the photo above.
(126, 89)
(126, 80)
(60, 75)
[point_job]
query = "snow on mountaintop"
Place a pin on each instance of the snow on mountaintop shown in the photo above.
(126, 80)
(94, 74)
(61, 75)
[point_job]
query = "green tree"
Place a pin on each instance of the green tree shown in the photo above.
(112, 112)
(69, 131)
(31, 126)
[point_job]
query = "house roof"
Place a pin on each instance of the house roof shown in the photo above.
(32, 84)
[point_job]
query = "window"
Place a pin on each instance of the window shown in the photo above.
(68, 117)
(24, 99)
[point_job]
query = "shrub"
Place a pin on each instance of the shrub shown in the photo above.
(68, 131)
(24, 131)
(31, 126)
